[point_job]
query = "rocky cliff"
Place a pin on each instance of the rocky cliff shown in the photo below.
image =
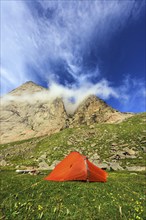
(24, 115)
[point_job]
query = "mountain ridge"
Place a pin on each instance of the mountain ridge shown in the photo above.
(30, 113)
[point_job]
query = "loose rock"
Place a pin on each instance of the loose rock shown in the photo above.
(43, 166)
(115, 166)
(136, 168)
(3, 163)
(53, 165)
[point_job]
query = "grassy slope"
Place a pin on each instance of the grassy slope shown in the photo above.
(131, 132)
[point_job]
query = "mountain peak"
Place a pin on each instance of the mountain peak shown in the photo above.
(27, 87)
(95, 110)
(29, 83)
(89, 102)
(91, 97)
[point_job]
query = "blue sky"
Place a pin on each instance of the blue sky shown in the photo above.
(77, 48)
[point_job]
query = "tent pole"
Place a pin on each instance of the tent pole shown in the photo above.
(87, 179)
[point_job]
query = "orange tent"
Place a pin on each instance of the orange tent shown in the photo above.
(77, 167)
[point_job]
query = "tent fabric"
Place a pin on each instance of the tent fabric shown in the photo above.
(77, 167)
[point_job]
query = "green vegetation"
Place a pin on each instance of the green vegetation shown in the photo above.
(131, 133)
(26, 197)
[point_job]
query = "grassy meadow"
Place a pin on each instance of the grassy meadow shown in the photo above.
(26, 197)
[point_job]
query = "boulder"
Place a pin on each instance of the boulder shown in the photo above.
(69, 143)
(113, 149)
(3, 163)
(53, 165)
(136, 168)
(91, 132)
(129, 151)
(123, 145)
(94, 157)
(118, 155)
(131, 156)
(114, 144)
(143, 149)
(103, 166)
(115, 166)
(93, 144)
(91, 126)
(126, 153)
(42, 157)
(43, 166)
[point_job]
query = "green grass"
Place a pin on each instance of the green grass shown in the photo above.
(26, 197)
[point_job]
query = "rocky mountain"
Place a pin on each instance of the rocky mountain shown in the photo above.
(29, 111)
(24, 116)
(94, 110)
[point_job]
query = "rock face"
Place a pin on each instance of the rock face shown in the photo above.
(28, 112)
(94, 110)
(22, 119)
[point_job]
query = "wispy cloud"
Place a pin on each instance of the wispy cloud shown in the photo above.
(51, 40)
